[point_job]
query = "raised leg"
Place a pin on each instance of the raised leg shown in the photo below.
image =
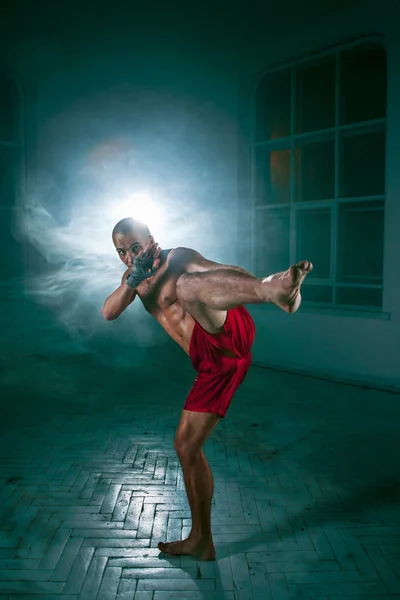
(191, 434)
(207, 296)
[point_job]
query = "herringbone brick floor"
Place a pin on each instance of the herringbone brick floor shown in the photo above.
(307, 487)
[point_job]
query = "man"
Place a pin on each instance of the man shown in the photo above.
(199, 303)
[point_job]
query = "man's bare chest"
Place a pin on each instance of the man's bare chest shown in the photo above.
(159, 296)
(158, 293)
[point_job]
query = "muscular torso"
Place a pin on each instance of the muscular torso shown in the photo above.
(159, 297)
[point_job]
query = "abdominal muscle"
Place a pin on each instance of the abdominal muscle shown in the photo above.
(178, 323)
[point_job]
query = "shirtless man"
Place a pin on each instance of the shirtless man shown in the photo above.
(199, 303)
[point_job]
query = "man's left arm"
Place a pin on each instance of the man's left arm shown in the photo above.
(196, 263)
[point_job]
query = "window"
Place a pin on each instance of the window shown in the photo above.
(319, 174)
(9, 162)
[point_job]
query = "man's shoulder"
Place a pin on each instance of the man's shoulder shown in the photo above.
(182, 252)
(188, 260)
(183, 255)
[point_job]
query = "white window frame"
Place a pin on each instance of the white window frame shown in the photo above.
(333, 204)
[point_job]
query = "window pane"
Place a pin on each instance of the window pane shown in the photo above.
(8, 109)
(315, 96)
(273, 177)
(272, 234)
(273, 106)
(362, 165)
(313, 240)
(359, 297)
(360, 242)
(363, 84)
(317, 293)
(315, 171)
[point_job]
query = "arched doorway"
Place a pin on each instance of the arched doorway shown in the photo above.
(10, 161)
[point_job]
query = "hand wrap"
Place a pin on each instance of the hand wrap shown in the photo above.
(142, 269)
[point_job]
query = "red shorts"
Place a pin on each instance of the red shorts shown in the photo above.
(219, 376)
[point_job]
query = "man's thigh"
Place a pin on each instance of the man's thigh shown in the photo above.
(209, 319)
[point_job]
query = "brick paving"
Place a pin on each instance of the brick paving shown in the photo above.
(307, 488)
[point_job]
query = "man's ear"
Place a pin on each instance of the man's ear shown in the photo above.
(151, 239)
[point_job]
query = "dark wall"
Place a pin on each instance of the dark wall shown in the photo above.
(118, 98)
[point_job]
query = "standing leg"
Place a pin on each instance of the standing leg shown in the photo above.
(191, 434)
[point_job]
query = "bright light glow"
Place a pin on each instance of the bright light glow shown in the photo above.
(140, 206)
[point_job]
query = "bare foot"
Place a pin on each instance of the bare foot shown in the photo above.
(286, 292)
(202, 549)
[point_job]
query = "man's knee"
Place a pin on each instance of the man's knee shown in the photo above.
(186, 449)
(181, 444)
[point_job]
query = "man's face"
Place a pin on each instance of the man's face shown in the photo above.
(128, 245)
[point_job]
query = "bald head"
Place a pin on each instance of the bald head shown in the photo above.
(129, 225)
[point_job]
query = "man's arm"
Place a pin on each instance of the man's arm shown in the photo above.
(196, 263)
(119, 300)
